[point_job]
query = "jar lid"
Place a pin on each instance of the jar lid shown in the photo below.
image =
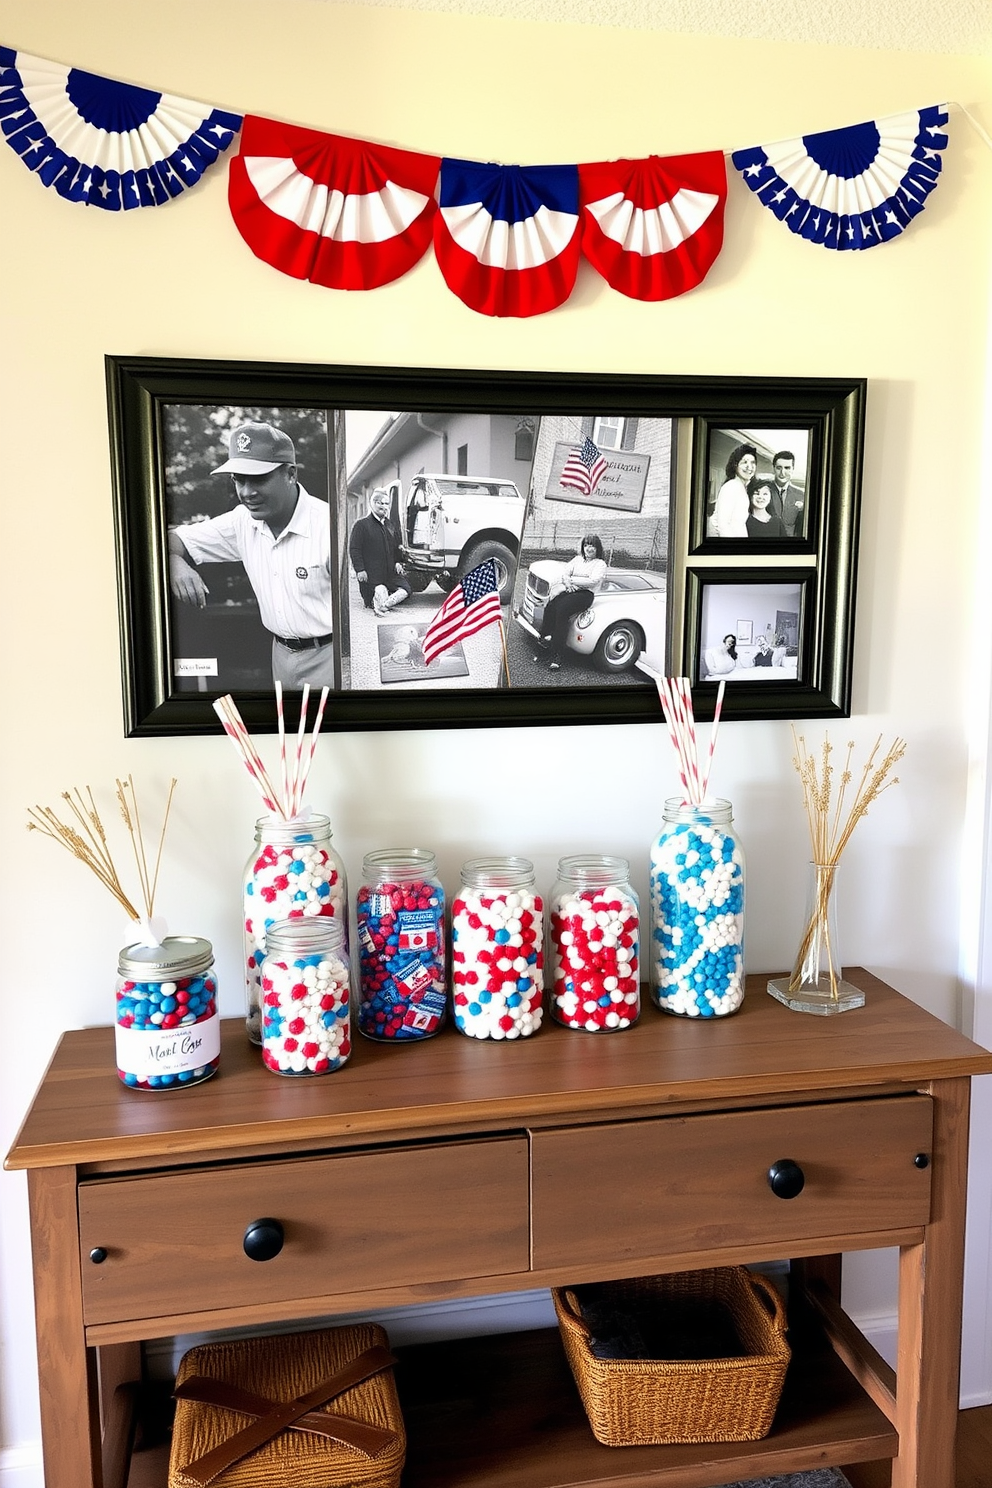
(305, 934)
(498, 873)
(178, 955)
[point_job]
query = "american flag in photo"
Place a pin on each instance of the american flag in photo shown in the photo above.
(472, 605)
(584, 468)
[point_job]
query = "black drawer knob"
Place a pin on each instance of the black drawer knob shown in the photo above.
(786, 1178)
(98, 1255)
(921, 1160)
(263, 1239)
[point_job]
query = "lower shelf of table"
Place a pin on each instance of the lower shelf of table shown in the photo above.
(502, 1411)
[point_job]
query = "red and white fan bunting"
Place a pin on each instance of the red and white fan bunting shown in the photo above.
(653, 227)
(340, 212)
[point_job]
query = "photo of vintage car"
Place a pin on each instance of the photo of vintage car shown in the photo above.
(623, 628)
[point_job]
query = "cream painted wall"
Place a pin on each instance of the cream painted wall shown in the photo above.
(76, 284)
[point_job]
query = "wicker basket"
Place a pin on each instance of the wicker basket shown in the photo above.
(284, 1369)
(644, 1402)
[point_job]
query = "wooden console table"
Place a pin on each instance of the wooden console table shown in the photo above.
(459, 1169)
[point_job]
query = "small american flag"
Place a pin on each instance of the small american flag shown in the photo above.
(472, 605)
(584, 468)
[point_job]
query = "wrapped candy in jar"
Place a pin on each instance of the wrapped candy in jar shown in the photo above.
(497, 957)
(401, 945)
(167, 1030)
(593, 945)
(697, 911)
(306, 1007)
(293, 873)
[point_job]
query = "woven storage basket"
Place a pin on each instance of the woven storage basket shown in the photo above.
(284, 1369)
(645, 1402)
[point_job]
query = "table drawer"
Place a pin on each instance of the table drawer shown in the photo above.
(175, 1242)
(667, 1186)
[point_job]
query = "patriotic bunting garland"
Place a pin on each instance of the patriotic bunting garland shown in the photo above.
(855, 187)
(654, 227)
(506, 236)
(104, 143)
(349, 214)
(339, 212)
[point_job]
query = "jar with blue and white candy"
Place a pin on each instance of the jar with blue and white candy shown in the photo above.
(167, 1030)
(497, 950)
(306, 1002)
(402, 987)
(293, 873)
(697, 911)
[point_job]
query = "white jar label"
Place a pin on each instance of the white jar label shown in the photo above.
(167, 1051)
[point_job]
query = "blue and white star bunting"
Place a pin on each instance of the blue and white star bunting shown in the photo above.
(855, 187)
(104, 143)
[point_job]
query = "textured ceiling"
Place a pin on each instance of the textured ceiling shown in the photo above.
(962, 26)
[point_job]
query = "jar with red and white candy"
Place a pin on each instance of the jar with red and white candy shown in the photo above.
(497, 950)
(167, 1031)
(306, 1003)
(401, 946)
(593, 945)
(293, 873)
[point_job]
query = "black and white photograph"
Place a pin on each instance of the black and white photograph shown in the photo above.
(457, 548)
(249, 547)
(591, 594)
(431, 497)
(758, 485)
(750, 632)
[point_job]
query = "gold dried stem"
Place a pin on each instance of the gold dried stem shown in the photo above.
(831, 826)
(84, 837)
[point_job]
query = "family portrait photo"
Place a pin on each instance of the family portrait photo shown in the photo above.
(758, 485)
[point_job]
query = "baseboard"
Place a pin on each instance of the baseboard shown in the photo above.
(427, 1322)
(21, 1467)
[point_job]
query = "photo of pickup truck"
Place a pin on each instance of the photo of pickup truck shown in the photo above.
(451, 523)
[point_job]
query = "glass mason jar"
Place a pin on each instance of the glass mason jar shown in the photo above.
(401, 945)
(167, 1029)
(293, 873)
(306, 1006)
(593, 945)
(497, 950)
(697, 911)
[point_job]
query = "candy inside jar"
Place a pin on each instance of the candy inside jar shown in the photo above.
(306, 1009)
(167, 1027)
(593, 945)
(401, 946)
(497, 933)
(697, 910)
(293, 873)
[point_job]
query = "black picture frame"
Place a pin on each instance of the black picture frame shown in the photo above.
(148, 398)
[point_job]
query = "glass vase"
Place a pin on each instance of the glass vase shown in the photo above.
(816, 984)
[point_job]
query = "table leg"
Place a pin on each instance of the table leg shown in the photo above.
(931, 1280)
(70, 1424)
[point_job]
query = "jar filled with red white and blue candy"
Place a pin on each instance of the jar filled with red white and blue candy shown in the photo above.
(293, 873)
(402, 989)
(697, 911)
(306, 1001)
(497, 950)
(168, 1030)
(593, 920)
